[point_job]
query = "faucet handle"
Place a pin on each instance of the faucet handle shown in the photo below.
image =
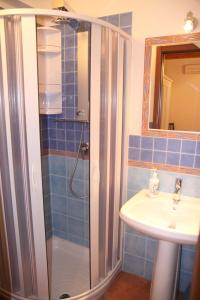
(176, 196)
(178, 184)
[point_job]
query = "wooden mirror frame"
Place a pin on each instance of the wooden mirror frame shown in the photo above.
(156, 41)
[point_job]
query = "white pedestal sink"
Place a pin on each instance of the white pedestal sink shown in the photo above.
(172, 225)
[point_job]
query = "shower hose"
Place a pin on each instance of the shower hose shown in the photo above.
(80, 151)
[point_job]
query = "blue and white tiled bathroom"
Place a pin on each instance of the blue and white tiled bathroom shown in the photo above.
(65, 227)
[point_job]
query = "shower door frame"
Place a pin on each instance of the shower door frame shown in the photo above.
(33, 140)
(119, 96)
(29, 121)
(34, 152)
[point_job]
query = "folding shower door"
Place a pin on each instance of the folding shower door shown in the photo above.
(23, 260)
(23, 250)
(110, 73)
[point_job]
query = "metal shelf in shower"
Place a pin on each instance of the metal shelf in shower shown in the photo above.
(71, 120)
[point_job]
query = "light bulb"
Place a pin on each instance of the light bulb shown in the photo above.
(188, 25)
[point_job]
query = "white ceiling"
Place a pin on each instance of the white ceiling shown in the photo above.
(38, 3)
(13, 4)
(48, 3)
(32, 3)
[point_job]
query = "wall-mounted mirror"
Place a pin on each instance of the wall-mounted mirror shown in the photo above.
(172, 83)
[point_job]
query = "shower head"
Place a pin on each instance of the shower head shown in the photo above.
(76, 25)
(73, 23)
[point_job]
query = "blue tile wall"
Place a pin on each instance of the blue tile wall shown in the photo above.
(61, 208)
(70, 214)
(123, 21)
(140, 250)
(66, 136)
(60, 135)
(181, 153)
(66, 216)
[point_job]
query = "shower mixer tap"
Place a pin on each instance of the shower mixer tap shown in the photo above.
(84, 148)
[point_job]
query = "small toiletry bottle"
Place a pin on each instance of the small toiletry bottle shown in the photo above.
(154, 184)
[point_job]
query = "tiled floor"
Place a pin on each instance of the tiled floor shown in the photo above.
(128, 287)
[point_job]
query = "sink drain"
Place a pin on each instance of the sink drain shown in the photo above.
(64, 296)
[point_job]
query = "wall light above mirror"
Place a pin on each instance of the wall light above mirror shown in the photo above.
(190, 22)
(171, 103)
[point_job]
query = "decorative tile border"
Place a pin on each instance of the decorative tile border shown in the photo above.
(147, 68)
(173, 151)
(63, 153)
(180, 156)
(168, 168)
(175, 155)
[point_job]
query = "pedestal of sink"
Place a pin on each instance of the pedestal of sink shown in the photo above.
(165, 277)
(172, 226)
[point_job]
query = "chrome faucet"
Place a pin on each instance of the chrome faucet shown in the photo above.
(177, 193)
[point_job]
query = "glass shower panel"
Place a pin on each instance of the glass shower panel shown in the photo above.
(64, 47)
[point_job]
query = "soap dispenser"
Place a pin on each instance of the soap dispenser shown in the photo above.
(153, 184)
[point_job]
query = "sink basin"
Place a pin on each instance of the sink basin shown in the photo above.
(161, 219)
(172, 224)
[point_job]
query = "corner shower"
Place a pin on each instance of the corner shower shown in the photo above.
(63, 145)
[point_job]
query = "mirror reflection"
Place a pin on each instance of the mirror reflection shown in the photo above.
(175, 87)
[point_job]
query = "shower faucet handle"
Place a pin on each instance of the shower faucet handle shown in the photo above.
(84, 147)
(80, 113)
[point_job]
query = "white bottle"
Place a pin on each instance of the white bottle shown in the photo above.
(154, 184)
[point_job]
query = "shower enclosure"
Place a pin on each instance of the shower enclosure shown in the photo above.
(63, 145)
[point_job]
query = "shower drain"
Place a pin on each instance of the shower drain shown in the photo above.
(64, 296)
